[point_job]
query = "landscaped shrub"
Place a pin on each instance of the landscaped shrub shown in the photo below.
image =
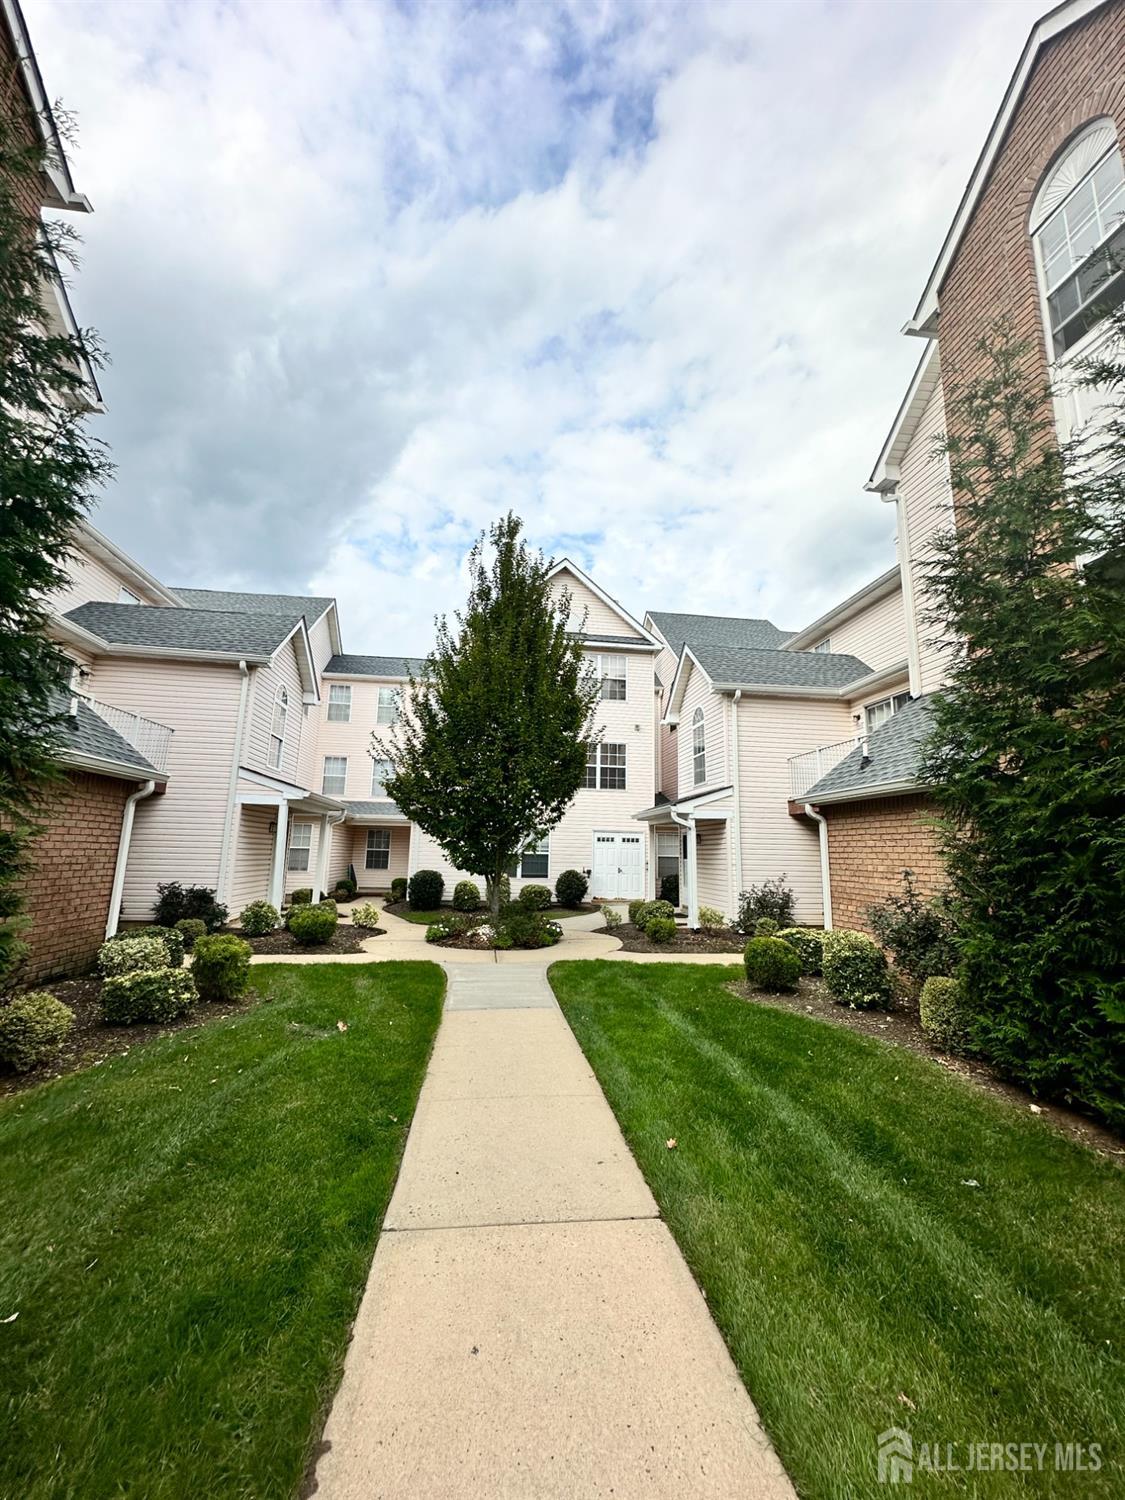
(258, 918)
(398, 888)
(189, 929)
(345, 889)
(635, 909)
(32, 1029)
(771, 964)
(946, 1019)
(772, 898)
(152, 995)
(648, 911)
(466, 896)
(855, 970)
(424, 890)
(171, 937)
(660, 929)
(670, 889)
(711, 919)
(301, 897)
(766, 927)
(366, 915)
(222, 966)
(127, 955)
(537, 897)
(175, 901)
(525, 927)
(438, 931)
(330, 903)
(919, 934)
(808, 944)
(571, 888)
(313, 925)
(612, 917)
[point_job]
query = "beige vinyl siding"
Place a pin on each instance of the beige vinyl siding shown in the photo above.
(320, 639)
(281, 672)
(600, 619)
(353, 739)
(379, 880)
(712, 853)
(296, 880)
(877, 635)
(928, 502)
(177, 836)
(698, 693)
(253, 857)
(770, 730)
(667, 740)
(93, 581)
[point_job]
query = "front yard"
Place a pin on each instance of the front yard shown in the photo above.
(881, 1244)
(185, 1232)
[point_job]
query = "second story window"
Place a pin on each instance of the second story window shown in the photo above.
(824, 645)
(126, 596)
(335, 775)
(878, 713)
(339, 703)
(605, 768)
(698, 748)
(380, 770)
(611, 673)
(388, 706)
(277, 728)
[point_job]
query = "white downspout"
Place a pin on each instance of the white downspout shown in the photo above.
(146, 789)
(688, 822)
(909, 601)
(232, 789)
(825, 873)
(737, 798)
(327, 823)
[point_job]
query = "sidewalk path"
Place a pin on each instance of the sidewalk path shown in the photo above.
(529, 1327)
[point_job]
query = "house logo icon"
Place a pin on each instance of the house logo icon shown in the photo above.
(896, 1456)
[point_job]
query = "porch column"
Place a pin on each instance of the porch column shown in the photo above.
(324, 839)
(277, 876)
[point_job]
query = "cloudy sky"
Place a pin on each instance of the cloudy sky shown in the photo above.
(373, 273)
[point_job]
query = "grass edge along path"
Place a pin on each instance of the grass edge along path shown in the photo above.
(880, 1244)
(186, 1231)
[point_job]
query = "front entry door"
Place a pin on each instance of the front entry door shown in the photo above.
(618, 873)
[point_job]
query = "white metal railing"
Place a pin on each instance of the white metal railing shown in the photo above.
(146, 735)
(806, 769)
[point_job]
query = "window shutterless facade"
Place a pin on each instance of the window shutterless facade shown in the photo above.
(878, 713)
(339, 703)
(335, 777)
(277, 728)
(387, 712)
(300, 843)
(605, 768)
(698, 748)
(378, 856)
(613, 675)
(536, 861)
(380, 770)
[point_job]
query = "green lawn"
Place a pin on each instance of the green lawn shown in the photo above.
(820, 1188)
(185, 1233)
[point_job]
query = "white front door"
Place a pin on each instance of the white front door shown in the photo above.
(618, 873)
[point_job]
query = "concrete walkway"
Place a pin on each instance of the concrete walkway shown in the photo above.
(529, 1327)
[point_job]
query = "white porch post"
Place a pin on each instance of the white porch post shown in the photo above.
(693, 875)
(280, 843)
(324, 840)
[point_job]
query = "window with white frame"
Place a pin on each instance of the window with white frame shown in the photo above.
(667, 854)
(605, 768)
(380, 770)
(1078, 227)
(378, 856)
(824, 645)
(535, 861)
(339, 703)
(277, 728)
(878, 713)
(698, 748)
(387, 712)
(335, 775)
(612, 675)
(126, 596)
(300, 843)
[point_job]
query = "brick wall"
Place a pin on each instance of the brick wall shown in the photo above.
(67, 893)
(869, 845)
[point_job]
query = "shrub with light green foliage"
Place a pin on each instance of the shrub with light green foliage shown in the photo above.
(258, 918)
(313, 926)
(221, 966)
(660, 929)
(127, 955)
(855, 970)
(612, 918)
(32, 1029)
(766, 927)
(466, 896)
(191, 928)
(366, 915)
(946, 1019)
(650, 911)
(571, 888)
(711, 919)
(172, 938)
(537, 897)
(148, 995)
(808, 944)
(771, 964)
(635, 909)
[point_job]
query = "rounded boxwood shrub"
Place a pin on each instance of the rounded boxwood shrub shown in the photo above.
(365, 915)
(855, 970)
(345, 889)
(313, 925)
(946, 1019)
(149, 995)
(660, 929)
(172, 938)
(537, 897)
(189, 929)
(766, 927)
(258, 918)
(466, 896)
(522, 926)
(301, 897)
(128, 955)
(32, 1029)
(424, 890)
(398, 888)
(771, 964)
(808, 944)
(635, 909)
(221, 966)
(650, 910)
(711, 919)
(571, 888)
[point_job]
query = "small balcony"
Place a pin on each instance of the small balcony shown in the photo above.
(145, 735)
(806, 769)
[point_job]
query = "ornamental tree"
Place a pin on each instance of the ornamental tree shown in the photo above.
(493, 745)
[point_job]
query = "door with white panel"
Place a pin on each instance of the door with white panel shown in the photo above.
(618, 870)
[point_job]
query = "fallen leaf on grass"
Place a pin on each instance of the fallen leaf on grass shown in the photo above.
(11, 1318)
(1035, 1109)
(671, 1144)
(341, 1026)
(969, 1182)
(906, 1401)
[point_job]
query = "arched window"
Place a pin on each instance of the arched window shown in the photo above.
(277, 728)
(1078, 227)
(698, 747)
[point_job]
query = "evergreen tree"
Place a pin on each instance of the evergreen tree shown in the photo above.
(493, 745)
(1027, 759)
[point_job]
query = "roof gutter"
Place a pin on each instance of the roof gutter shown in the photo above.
(867, 793)
(123, 842)
(120, 769)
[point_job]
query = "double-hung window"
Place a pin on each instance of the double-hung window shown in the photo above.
(536, 861)
(380, 770)
(335, 775)
(698, 748)
(878, 713)
(300, 843)
(339, 703)
(378, 855)
(277, 727)
(387, 712)
(605, 767)
(612, 675)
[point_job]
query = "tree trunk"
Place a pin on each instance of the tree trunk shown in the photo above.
(493, 882)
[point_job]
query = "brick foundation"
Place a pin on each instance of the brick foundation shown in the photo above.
(66, 895)
(870, 844)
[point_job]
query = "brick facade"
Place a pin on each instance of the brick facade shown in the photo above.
(67, 893)
(870, 844)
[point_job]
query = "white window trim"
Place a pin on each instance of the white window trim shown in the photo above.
(377, 787)
(126, 596)
(280, 707)
(600, 766)
(396, 700)
(300, 842)
(371, 846)
(602, 665)
(340, 696)
(698, 748)
(894, 703)
(537, 851)
(325, 791)
(824, 645)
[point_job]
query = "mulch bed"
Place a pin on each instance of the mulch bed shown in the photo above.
(348, 938)
(633, 940)
(902, 1026)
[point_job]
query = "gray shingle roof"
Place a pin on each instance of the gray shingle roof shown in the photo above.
(612, 640)
(748, 667)
(716, 630)
(372, 810)
(254, 604)
(232, 632)
(376, 666)
(894, 755)
(86, 733)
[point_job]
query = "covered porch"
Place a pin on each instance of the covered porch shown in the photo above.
(375, 840)
(283, 838)
(693, 839)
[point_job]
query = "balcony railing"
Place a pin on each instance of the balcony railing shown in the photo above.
(806, 769)
(146, 735)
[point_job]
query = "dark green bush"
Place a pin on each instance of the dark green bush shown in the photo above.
(258, 918)
(523, 926)
(398, 888)
(466, 896)
(424, 890)
(301, 897)
(918, 934)
(537, 897)
(772, 899)
(660, 929)
(189, 929)
(312, 926)
(670, 889)
(808, 944)
(945, 1017)
(571, 888)
(771, 964)
(152, 995)
(855, 970)
(635, 909)
(32, 1029)
(175, 901)
(766, 927)
(345, 889)
(221, 967)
